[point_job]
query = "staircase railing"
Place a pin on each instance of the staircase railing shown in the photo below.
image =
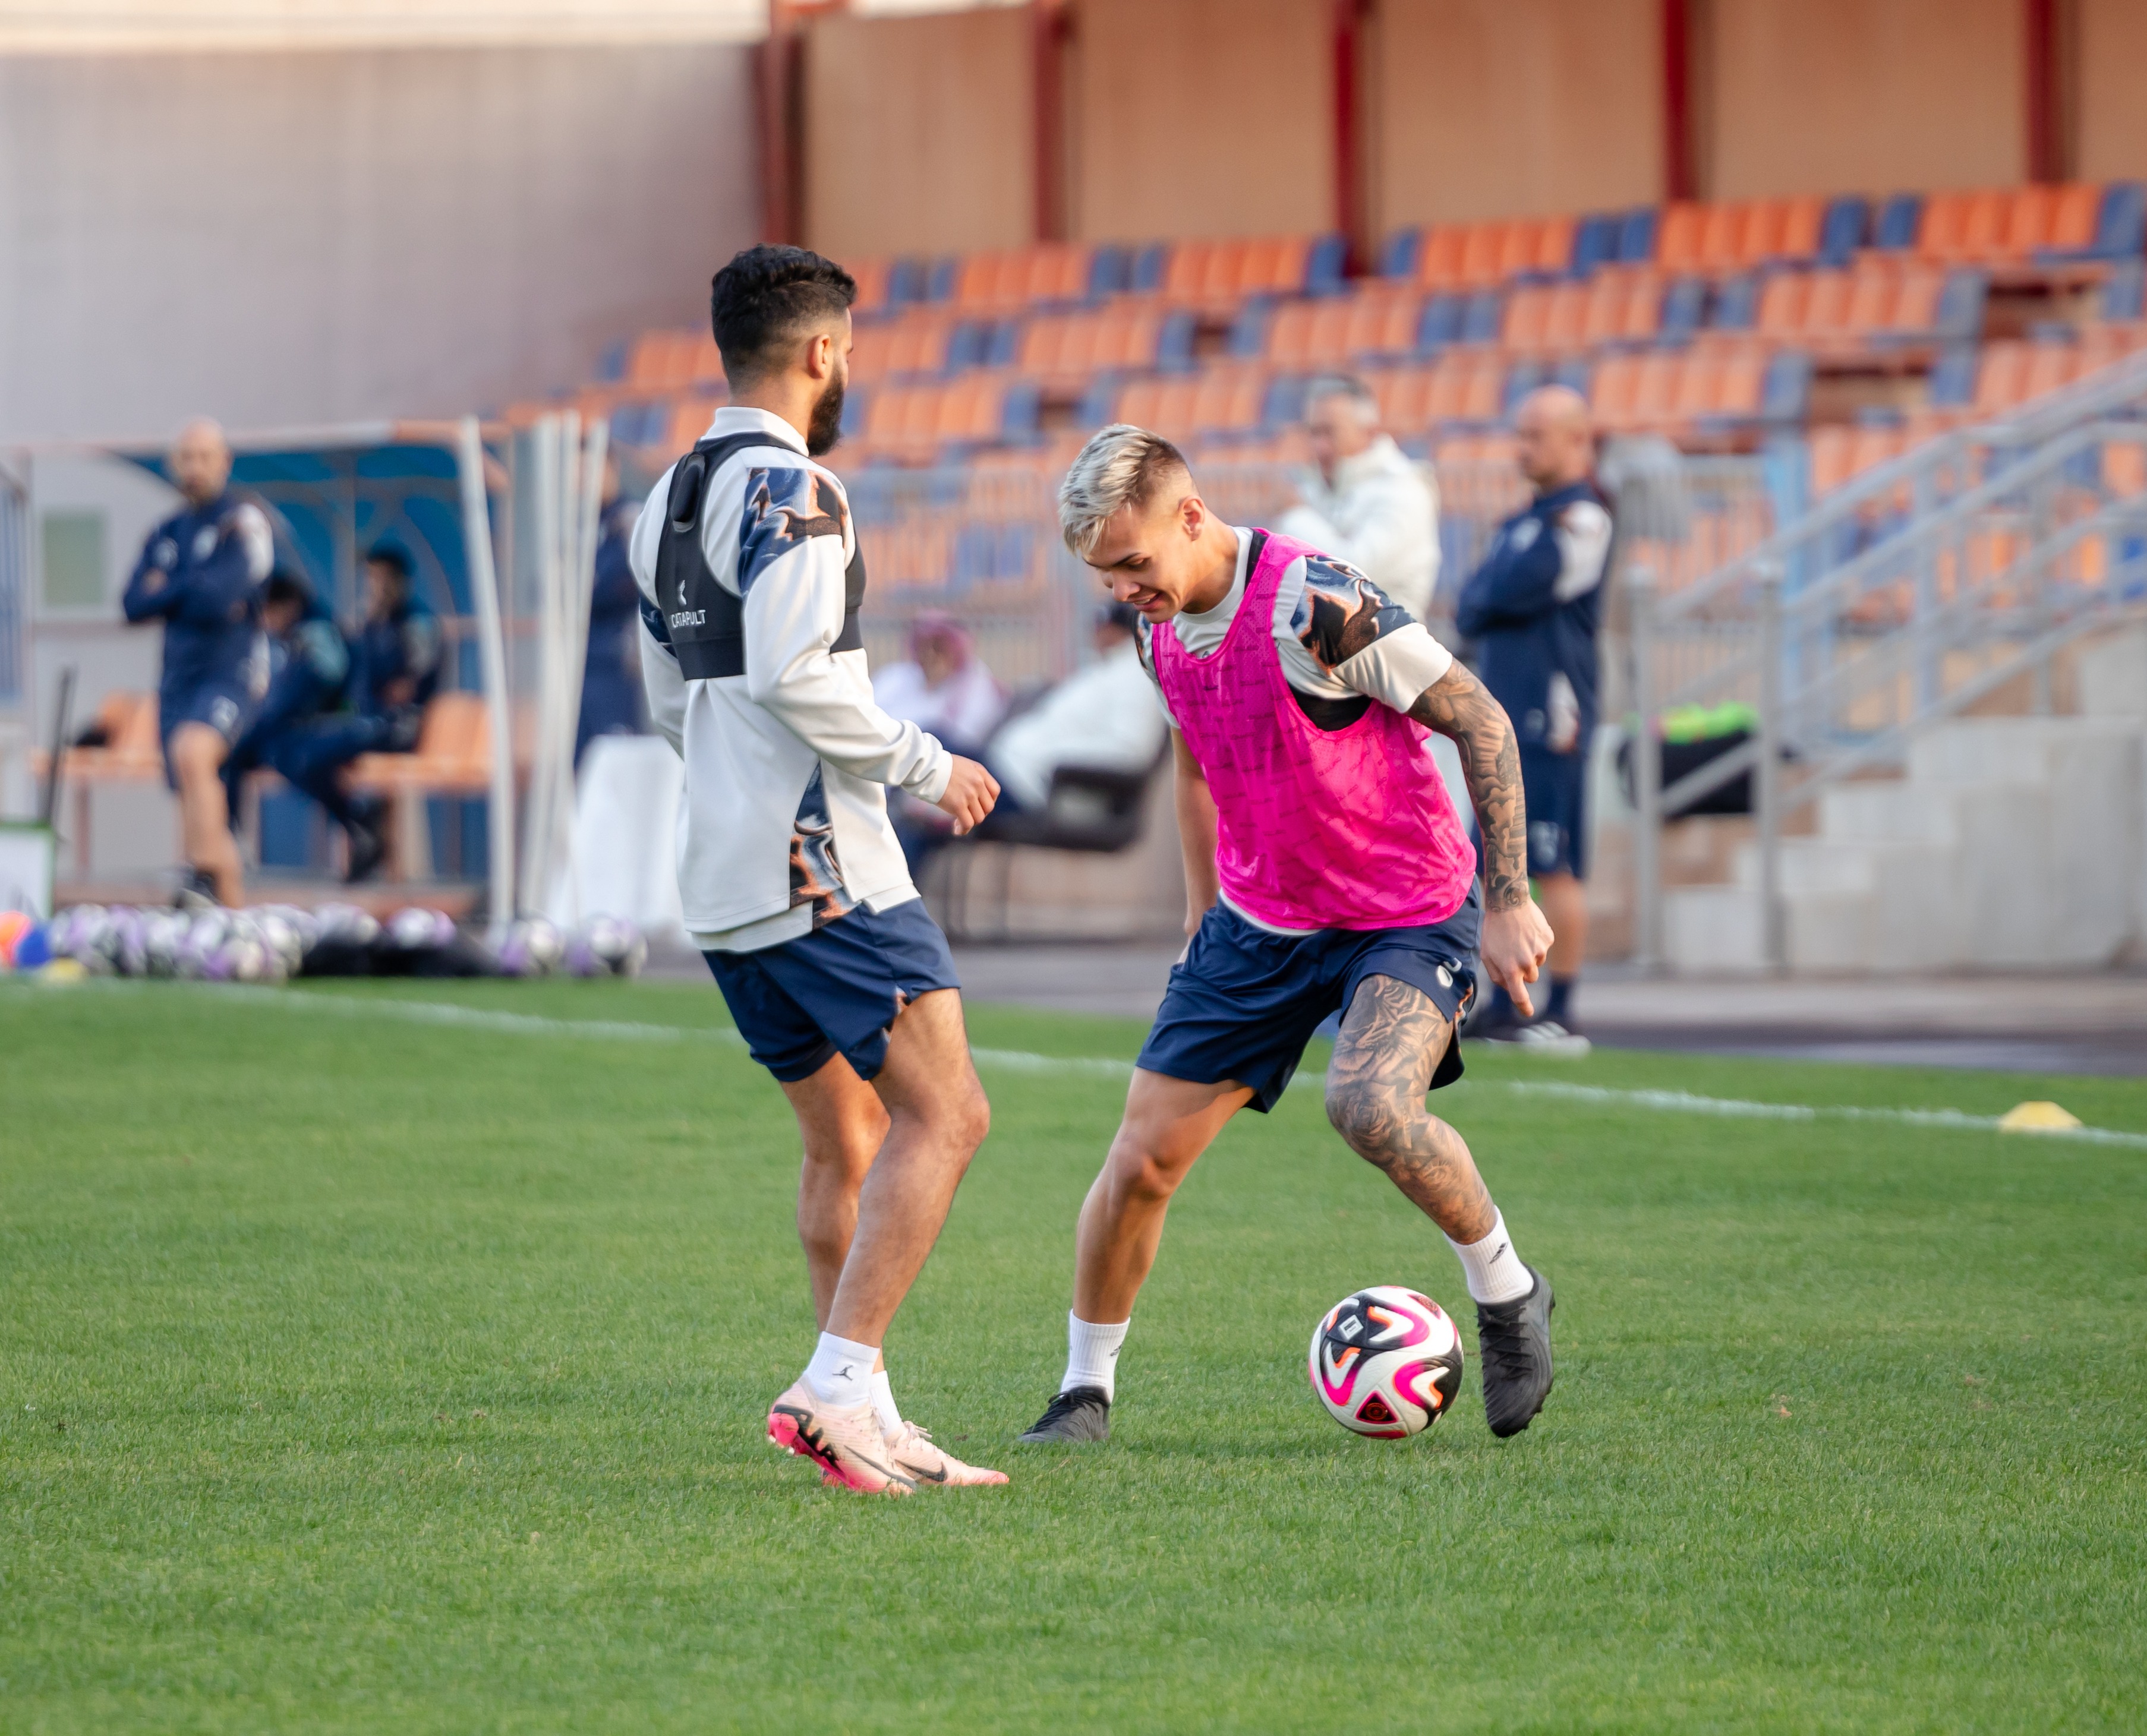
(1908, 597)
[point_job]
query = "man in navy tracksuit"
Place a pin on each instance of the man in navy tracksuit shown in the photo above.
(308, 667)
(1534, 608)
(395, 669)
(611, 673)
(200, 574)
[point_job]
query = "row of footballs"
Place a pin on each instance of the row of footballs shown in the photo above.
(271, 943)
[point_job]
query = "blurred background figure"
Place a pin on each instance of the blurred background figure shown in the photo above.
(200, 574)
(1103, 717)
(308, 667)
(944, 687)
(1366, 501)
(610, 672)
(394, 673)
(1535, 607)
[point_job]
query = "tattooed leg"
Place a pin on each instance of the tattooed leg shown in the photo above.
(1392, 1038)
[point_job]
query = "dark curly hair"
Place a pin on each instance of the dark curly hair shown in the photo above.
(766, 299)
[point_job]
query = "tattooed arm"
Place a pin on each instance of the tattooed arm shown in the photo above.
(1196, 831)
(1515, 935)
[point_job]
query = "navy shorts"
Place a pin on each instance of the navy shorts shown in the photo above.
(226, 707)
(1244, 1001)
(1555, 786)
(835, 991)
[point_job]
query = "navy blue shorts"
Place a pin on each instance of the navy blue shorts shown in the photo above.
(835, 991)
(1244, 1002)
(1555, 786)
(226, 707)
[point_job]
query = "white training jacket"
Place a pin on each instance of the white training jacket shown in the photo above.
(1380, 515)
(783, 825)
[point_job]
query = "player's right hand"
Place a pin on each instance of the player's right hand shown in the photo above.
(970, 794)
(1514, 944)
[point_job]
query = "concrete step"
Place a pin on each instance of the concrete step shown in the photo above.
(1894, 811)
(2113, 676)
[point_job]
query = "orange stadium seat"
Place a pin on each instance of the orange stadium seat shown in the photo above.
(1613, 390)
(1784, 303)
(1008, 279)
(1526, 320)
(1640, 315)
(2001, 377)
(1826, 305)
(1383, 321)
(453, 755)
(1678, 238)
(872, 276)
(1438, 259)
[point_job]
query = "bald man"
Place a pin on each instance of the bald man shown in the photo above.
(201, 573)
(1534, 608)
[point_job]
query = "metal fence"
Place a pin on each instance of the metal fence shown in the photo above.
(1912, 595)
(14, 587)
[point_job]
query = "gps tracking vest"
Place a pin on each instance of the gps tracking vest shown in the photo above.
(1315, 829)
(706, 620)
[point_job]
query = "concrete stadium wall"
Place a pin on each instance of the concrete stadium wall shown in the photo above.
(1839, 96)
(282, 238)
(1513, 108)
(2111, 118)
(1200, 118)
(922, 133)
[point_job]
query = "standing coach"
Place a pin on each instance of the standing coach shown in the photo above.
(1535, 607)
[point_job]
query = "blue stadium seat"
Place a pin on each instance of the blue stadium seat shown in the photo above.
(1324, 265)
(1148, 266)
(1960, 304)
(2120, 227)
(1110, 272)
(908, 281)
(1684, 304)
(1439, 323)
(1174, 347)
(1786, 393)
(1594, 242)
(1398, 258)
(1736, 304)
(1021, 413)
(966, 344)
(2122, 291)
(1952, 377)
(1842, 230)
(1480, 318)
(611, 365)
(855, 402)
(1897, 217)
(1522, 378)
(1576, 373)
(1097, 403)
(1283, 403)
(1005, 345)
(939, 286)
(1248, 331)
(1636, 237)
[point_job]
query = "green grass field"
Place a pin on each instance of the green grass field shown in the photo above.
(363, 1373)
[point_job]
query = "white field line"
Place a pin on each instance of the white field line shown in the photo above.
(1670, 1103)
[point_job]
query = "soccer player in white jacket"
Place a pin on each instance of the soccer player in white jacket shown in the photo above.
(792, 883)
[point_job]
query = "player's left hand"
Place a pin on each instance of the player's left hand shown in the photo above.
(1514, 944)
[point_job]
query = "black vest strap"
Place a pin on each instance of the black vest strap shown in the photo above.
(706, 620)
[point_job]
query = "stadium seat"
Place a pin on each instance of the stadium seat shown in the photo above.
(1899, 220)
(1843, 229)
(1636, 237)
(872, 280)
(1440, 322)
(1398, 255)
(1595, 243)
(128, 722)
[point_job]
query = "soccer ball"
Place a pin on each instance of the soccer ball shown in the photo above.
(1385, 1361)
(532, 948)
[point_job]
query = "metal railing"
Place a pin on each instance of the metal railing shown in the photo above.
(1913, 594)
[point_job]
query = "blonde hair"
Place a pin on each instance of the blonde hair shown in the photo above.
(1121, 466)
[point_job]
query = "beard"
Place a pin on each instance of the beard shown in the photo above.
(826, 427)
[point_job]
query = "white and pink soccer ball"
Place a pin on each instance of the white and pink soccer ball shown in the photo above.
(1385, 1361)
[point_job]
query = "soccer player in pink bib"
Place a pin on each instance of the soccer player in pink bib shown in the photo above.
(1326, 870)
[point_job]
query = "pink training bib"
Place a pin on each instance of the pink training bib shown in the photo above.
(1315, 829)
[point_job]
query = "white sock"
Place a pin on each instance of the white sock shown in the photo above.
(883, 1397)
(1092, 1354)
(840, 1373)
(1495, 1271)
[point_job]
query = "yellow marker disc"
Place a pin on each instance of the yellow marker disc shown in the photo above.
(2037, 1118)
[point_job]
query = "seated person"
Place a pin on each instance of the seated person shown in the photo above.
(944, 688)
(1102, 716)
(308, 665)
(395, 673)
